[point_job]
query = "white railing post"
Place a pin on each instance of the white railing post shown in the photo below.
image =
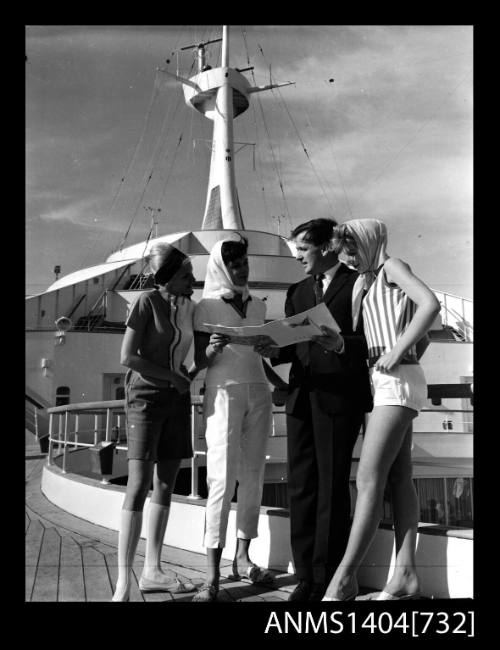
(96, 428)
(51, 444)
(60, 434)
(77, 427)
(194, 460)
(108, 425)
(65, 450)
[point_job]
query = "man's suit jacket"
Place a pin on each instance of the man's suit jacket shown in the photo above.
(340, 381)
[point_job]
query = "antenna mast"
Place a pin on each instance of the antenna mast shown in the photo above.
(221, 94)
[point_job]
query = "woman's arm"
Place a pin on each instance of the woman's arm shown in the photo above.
(398, 272)
(207, 347)
(130, 358)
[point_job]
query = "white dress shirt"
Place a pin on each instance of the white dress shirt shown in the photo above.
(329, 275)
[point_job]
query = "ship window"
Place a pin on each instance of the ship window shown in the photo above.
(444, 501)
(62, 395)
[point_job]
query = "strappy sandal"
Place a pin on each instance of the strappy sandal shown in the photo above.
(254, 574)
(385, 595)
(207, 593)
(174, 586)
(259, 576)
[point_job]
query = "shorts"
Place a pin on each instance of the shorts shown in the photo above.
(158, 421)
(405, 385)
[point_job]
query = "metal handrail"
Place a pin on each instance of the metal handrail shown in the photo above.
(65, 437)
(89, 406)
(110, 408)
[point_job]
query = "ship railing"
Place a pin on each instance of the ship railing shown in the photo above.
(36, 421)
(65, 434)
(141, 281)
(456, 313)
(95, 314)
(65, 430)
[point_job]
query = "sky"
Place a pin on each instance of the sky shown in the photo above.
(378, 124)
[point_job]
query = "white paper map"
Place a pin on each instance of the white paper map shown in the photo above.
(286, 331)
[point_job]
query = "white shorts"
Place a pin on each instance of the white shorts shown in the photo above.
(403, 386)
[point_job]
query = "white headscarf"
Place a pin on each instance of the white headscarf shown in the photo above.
(218, 283)
(370, 236)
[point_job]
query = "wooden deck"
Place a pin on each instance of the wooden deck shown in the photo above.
(69, 559)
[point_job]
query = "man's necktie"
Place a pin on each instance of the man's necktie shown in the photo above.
(318, 287)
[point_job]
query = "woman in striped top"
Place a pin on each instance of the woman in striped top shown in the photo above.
(398, 310)
(158, 409)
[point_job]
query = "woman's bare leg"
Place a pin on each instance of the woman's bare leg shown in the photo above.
(384, 436)
(405, 508)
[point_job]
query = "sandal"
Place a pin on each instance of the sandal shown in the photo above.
(255, 574)
(385, 595)
(174, 586)
(259, 576)
(207, 593)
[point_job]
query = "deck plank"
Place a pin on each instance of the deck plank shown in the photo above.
(136, 595)
(184, 573)
(71, 582)
(47, 575)
(34, 536)
(95, 574)
(112, 566)
(50, 554)
(225, 596)
(69, 559)
(111, 559)
(46, 583)
(154, 596)
(242, 591)
(29, 581)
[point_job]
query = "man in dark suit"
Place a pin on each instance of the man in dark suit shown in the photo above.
(328, 396)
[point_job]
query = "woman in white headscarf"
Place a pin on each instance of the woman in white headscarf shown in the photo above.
(238, 411)
(397, 310)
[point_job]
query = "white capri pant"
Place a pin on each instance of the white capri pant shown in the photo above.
(239, 421)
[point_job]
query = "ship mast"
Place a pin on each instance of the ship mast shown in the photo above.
(222, 209)
(221, 94)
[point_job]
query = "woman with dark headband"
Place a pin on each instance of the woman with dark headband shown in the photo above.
(158, 408)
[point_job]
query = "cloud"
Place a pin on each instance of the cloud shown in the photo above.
(392, 134)
(84, 213)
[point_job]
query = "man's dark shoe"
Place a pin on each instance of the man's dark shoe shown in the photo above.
(317, 592)
(301, 592)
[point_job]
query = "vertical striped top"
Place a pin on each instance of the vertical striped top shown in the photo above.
(387, 312)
